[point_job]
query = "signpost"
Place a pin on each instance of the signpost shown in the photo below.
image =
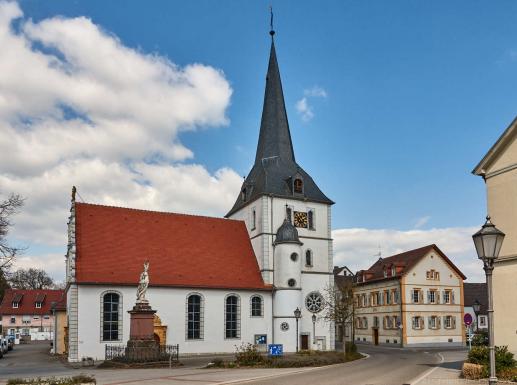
(467, 319)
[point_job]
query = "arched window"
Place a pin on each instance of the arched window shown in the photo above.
(232, 317)
(298, 186)
(310, 219)
(195, 317)
(111, 316)
(257, 306)
(308, 257)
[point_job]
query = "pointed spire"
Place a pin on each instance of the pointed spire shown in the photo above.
(274, 137)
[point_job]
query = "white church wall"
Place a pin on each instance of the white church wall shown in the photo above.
(170, 304)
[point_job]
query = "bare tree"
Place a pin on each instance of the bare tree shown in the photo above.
(340, 307)
(8, 208)
(31, 279)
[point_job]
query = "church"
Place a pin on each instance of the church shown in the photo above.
(215, 282)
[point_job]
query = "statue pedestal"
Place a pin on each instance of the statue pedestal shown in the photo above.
(141, 345)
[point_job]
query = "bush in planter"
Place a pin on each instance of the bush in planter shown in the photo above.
(248, 355)
(503, 358)
(480, 339)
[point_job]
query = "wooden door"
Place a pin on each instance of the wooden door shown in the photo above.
(376, 336)
(304, 339)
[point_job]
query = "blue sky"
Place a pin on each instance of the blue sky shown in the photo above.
(415, 93)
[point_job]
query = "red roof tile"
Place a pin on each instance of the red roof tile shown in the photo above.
(183, 250)
(27, 301)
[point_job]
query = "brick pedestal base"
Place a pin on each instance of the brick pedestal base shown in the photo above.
(141, 345)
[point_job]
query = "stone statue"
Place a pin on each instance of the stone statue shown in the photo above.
(143, 284)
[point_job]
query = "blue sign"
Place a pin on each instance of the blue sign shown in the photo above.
(260, 339)
(275, 350)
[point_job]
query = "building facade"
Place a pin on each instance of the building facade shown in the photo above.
(28, 313)
(476, 292)
(215, 283)
(410, 299)
(498, 169)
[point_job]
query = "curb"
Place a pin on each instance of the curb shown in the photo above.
(301, 370)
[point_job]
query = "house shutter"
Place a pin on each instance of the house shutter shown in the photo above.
(443, 296)
(437, 296)
(428, 296)
(438, 323)
(452, 296)
(421, 296)
(429, 322)
(421, 319)
(453, 322)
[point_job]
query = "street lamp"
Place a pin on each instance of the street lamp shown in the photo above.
(297, 315)
(314, 328)
(476, 306)
(488, 243)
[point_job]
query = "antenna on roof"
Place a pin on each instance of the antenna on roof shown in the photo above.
(379, 254)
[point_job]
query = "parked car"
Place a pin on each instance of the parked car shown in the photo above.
(10, 342)
(3, 345)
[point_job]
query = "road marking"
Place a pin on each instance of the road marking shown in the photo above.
(427, 372)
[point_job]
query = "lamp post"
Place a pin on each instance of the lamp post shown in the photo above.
(297, 315)
(314, 328)
(488, 243)
(476, 306)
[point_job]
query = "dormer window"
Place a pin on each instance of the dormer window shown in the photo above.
(15, 305)
(298, 186)
(385, 272)
(393, 271)
(243, 195)
(38, 305)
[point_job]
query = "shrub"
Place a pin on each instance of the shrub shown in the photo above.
(480, 339)
(503, 358)
(472, 371)
(80, 379)
(248, 355)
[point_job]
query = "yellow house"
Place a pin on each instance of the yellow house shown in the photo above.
(410, 299)
(499, 171)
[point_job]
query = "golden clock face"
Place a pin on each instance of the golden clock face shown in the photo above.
(300, 219)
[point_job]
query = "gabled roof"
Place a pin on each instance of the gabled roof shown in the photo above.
(183, 250)
(27, 301)
(275, 165)
(496, 149)
(473, 292)
(404, 262)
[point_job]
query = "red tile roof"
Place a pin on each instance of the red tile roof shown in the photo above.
(183, 250)
(27, 301)
(404, 262)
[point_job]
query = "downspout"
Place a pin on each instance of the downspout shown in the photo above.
(401, 321)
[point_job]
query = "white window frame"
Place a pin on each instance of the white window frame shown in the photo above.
(38, 305)
(417, 292)
(482, 320)
(15, 305)
(431, 296)
(201, 317)
(447, 296)
(313, 211)
(238, 318)
(253, 219)
(120, 316)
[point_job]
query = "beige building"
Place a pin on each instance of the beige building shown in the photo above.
(499, 171)
(410, 299)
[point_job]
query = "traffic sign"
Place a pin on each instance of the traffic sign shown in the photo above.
(275, 350)
(467, 319)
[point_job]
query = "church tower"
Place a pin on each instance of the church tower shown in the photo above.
(289, 222)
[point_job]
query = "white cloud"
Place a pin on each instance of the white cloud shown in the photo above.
(315, 92)
(422, 221)
(78, 107)
(303, 107)
(357, 247)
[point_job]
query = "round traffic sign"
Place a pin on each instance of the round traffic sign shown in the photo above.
(467, 318)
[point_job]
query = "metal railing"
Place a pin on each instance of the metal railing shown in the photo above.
(159, 353)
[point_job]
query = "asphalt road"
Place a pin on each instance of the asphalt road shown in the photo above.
(385, 366)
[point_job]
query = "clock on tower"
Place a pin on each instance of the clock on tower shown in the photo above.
(300, 219)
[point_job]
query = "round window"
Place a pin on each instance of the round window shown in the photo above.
(291, 282)
(314, 302)
(294, 257)
(284, 326)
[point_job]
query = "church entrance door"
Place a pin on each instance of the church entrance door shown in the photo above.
(376, 336)
(304, 342)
